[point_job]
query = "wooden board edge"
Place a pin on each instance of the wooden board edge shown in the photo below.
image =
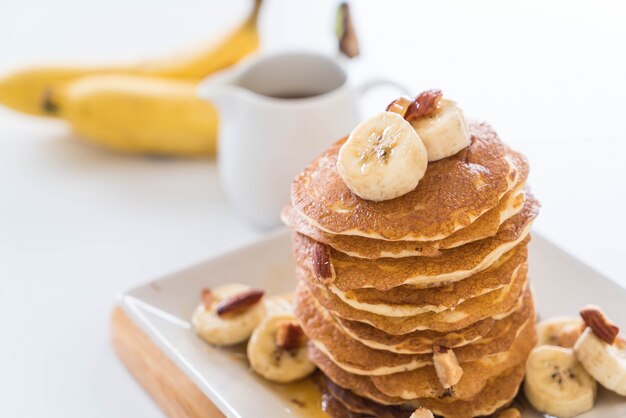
(169, 387)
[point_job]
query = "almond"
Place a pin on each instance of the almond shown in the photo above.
(447, 366)
(425, 104)
(321, 263)
(239, 303)
(598, 322)
(289, 335)
(207, 298)
(509, 413)
(422, 412)
(400, 106)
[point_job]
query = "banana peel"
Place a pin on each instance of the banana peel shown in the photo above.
(23, 90)
(137, 114)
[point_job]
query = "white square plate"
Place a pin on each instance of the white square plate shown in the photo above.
(162, 308)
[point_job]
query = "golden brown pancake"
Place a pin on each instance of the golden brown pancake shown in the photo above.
(453, 193)
(357, 358)
(423, 382)
(456, 264)
(420, 383)
(473, 310)
(408, 301)
(496, 394)
(419, 342)
(485, 226)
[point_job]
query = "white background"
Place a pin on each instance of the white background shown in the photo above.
(78, 225)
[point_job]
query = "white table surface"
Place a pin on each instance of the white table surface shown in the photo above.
(78, 225)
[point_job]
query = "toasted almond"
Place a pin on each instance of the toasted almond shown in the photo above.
(289, 335)
(509, 413)
(207, 298)
(239, 303)
(400, 106)
(598, 322)
(447, 366)
(321, 262)
(425, 104)
(422, 412)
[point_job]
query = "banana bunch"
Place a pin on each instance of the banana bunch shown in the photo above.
(148, 107)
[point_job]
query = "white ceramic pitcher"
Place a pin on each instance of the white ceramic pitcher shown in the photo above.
(277, 113)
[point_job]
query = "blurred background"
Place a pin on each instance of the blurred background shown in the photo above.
(79, 223)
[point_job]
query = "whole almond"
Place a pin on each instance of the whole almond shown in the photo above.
(289, 335)
(239, 303)
(425, 104)
(321, 262)
(207, 298)
(598, 322)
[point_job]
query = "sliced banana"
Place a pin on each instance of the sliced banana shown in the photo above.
(276, 363)
(443, 132)
(562, 331)
(280, 304)
(226, 329)
(383, 158)
(556, 383)
(422, 412)
(605, 362)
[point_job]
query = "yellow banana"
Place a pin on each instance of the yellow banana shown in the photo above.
(22, 90)
(137, 114)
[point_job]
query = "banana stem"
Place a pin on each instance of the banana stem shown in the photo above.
(254, 14)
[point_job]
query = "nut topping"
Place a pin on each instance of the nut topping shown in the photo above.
(447, 366)
(510, 413)
(598, 322)
(289, 335)
(239, 303)
(422, 412)
(400, 106)
(425, 104)
(207, 298)
(321, 263)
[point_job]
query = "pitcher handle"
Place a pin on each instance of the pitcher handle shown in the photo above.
(368, 85)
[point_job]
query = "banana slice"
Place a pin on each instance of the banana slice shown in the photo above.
(443, 132)
(422, 412)
(605, 362)
(277, 349)
(220, 324)
(556, 383)
(383, 158)
(562, 331)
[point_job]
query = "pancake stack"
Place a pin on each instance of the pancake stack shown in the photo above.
(422, 300)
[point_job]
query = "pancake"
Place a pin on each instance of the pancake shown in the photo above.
(338, 402)
(456, 264)
(485, 226)
(409, 301)
(497, 394)
(423, 382)
(453, 193)
(465, 314)
(355, 357)
(419, 342)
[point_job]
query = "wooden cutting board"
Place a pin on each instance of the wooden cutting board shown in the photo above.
(170, 388)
